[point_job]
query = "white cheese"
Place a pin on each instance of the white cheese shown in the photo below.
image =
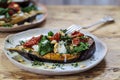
(44, 42)
(2, 16)
(61, 47)
(35, 47)
(21, 14)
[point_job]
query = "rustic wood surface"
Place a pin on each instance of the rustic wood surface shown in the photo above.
(64, 16)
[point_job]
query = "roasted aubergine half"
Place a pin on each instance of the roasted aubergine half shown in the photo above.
(57, 47)
(12, 13)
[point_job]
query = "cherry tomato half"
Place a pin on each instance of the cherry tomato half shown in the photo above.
(32, 41)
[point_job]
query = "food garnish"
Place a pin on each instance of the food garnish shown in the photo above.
(13, 14)
(57, 47)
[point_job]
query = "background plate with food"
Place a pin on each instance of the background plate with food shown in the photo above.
(43, 63)
(17, 16)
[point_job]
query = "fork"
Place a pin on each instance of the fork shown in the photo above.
(76, 27)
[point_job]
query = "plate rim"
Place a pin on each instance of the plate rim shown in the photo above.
(24, 67)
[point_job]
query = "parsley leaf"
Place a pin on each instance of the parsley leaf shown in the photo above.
(45, 46)
(7, 25)
(29, 8)
(81, 47)
(50, 33)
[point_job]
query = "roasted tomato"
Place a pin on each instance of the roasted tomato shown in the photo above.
(75, 41)
(14, 8)
(11, 12)
(55, 37)
(77, 34)
(32, 41)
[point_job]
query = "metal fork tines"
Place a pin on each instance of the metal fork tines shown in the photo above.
(73, 28)
(76, 27)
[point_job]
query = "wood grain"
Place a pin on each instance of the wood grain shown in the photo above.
(63, 17)
(79, 2)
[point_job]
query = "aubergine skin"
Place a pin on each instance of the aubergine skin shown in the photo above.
(87, 53)
(30, 19)
(36, 57)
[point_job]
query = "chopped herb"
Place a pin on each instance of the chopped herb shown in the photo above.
(45, 46)
(66, 38)
(57, 64)
(81, 47)
(8, 41)
(4, 11)
(37, 63)
(8, 53)
(30, 51)
(50, 33)
(7, 25)
(7, 15)
(68, 49)
(63, 30)
(83, 37)
(22, 42)
(75, 64)
(23, 50)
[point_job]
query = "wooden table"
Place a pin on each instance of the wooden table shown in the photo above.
(64, 16)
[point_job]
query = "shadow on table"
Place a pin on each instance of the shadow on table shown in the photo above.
(101, 26)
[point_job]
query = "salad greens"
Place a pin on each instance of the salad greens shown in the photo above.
(4, 11)
(63, 30)
(81, 47)
(45, 46)
(29, 8)
(50, 33)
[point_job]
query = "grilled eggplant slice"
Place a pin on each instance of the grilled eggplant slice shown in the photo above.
(25, 18)
(88, 53)
(29, 19)
(50, 57)
(56, 57)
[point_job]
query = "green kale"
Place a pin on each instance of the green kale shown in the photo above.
(50, 33)
(68, 49)
(66, 38)
(81, 47)
(21, 42)
(29, 8)
(63, 30)
(45, 46)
